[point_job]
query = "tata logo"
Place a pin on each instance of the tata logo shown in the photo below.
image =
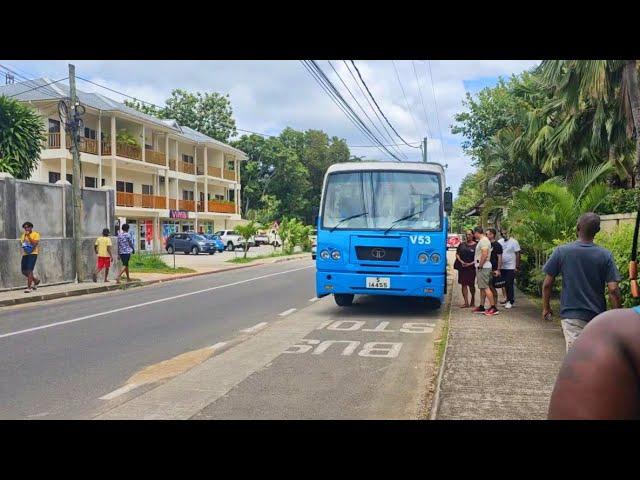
(378, 253)
(420, 239)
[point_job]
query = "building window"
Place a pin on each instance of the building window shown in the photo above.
(147, 189)
(219, 197)
(124, 186)
(231, 165)
(232, 195)
(54, 177)
(54, 126)
(187, 195)
(187, 158)
(89, 133)
(91, 182)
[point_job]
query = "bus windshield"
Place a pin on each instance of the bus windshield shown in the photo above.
(379, 199)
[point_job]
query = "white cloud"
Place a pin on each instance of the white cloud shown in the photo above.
(269, 95)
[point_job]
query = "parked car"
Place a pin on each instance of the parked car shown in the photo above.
(232, 240)
(274, 239)
(190, 243)
(261, 239)
(220, 246)
(453, 240)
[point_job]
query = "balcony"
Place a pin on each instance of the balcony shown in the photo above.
(189, 205)
(139, 200)
(106, 148)
(214, 172)
(182, 167)
(201, 206)
(134, 152)
(52, 140)
(222, 206)
(151, 156)
(230, 175)
(88, 145)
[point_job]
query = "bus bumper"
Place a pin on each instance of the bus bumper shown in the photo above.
(407, 285)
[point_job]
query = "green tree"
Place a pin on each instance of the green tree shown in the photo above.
(21, 138)
(246, 232)
(208, 113)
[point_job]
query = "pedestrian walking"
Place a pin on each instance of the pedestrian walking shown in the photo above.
(483, 273)
(30, 246)
(496, 262)
(599, 377)
(125, 250)
(585, 268)
(510, 266)
(102, 248)
(466, 266)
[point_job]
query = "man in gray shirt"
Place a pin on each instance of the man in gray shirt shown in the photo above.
(585, 268)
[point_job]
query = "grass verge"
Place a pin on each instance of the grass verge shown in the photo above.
(259, 257)
(152, 263)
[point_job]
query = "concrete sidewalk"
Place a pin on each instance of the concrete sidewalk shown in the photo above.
(501, 367)
(51, 292)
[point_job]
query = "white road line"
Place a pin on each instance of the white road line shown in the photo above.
(255, 328)
(217, 345)
(313, 299)
(161, 300)
(287, 312)
(118, 392)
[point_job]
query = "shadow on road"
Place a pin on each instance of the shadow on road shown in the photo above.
(370, 305)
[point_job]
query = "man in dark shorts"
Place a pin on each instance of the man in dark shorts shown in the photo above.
(585, 268)
(496, 259)
(30, 246)
(125, 250)
(600, 379)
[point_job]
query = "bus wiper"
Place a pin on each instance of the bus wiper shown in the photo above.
(417, 212)
(349, 218)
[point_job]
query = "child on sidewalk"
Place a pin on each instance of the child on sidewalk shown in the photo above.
(102, 248)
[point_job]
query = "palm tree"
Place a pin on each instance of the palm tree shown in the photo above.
(608, 87)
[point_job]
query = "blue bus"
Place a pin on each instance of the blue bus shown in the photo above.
(382, 230)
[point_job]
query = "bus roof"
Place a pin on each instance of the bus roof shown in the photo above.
(398, 166)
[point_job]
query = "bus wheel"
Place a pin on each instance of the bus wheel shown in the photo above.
(343, 299)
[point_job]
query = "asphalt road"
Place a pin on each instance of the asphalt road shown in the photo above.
(61, 371)
(158, 352)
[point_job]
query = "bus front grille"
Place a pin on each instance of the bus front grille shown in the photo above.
(379, 254)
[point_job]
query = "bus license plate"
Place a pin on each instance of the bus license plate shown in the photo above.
(378, 282)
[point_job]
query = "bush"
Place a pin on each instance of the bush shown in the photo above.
(620, 201)
(619, 243)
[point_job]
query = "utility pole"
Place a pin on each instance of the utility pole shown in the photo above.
(77, 200)
(424, 150)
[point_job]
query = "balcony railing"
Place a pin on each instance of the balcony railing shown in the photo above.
(139, 200)
(172, 204)
(201, 206)
(214, 172)
(151, 156)
(230, 175)
(189, 205)
(88, 145)
(106, 148)
(53, 140)
(182, 167)
(133, 152)
(221, 206)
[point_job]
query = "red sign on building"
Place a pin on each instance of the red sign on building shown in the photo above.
(179, 214)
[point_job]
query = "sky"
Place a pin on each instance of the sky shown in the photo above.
(269, 95)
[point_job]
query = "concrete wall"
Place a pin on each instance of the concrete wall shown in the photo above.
(42, 205)
(609, 223)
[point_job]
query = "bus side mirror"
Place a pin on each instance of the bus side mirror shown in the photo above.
(448, 202)
(315, 212)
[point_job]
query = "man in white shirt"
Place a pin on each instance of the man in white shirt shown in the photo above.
(510, 265)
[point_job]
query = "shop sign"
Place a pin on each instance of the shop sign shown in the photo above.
(179, 214)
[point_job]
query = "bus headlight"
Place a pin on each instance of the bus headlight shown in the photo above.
(423, 258)
(324, 254)
(435, 257)
(335, 254)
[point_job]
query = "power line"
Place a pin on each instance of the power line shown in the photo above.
(413, 119)
(363, 110)
(339, 100)
(435, 103)
(424, 109)
(376, 103)
(37, 87)
(31, 83)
